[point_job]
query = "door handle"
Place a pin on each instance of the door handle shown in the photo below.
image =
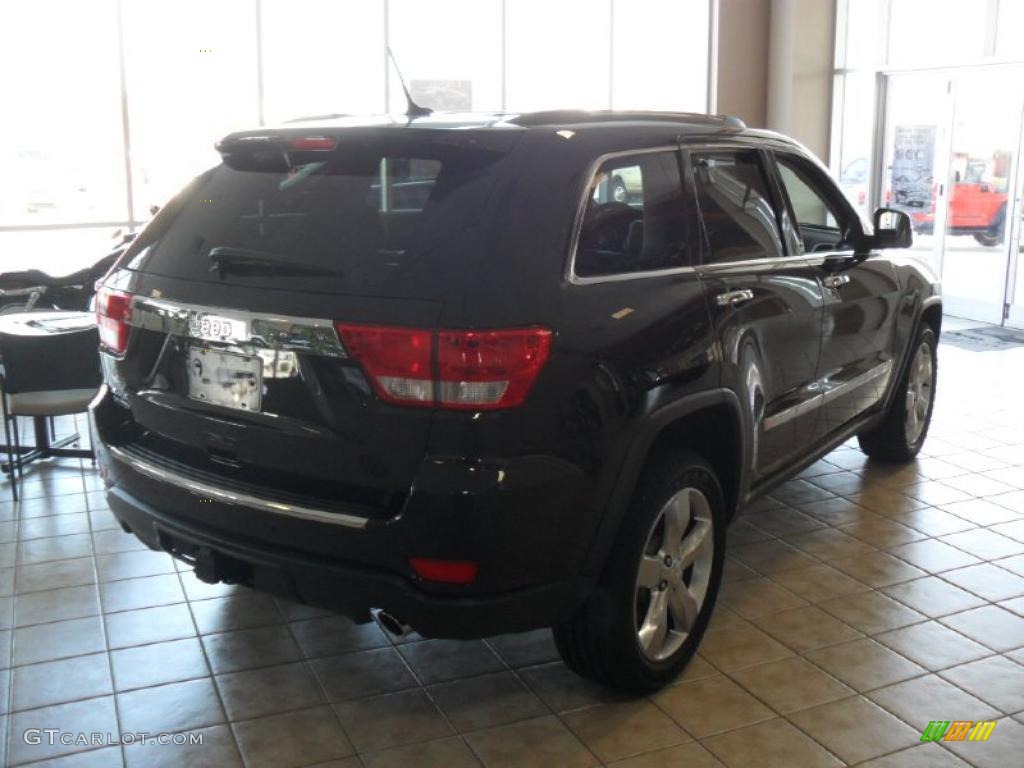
(835, 281)
(732, 298)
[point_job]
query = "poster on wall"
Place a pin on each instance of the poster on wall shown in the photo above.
(913, 166)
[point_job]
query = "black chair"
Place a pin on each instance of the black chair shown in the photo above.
(49, 366)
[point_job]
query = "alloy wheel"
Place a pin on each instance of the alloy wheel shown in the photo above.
(920, 385)
(674, 573)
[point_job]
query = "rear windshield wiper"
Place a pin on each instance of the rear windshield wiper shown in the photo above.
(228, 259)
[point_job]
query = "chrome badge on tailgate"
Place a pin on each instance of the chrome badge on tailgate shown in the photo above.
(210, 327)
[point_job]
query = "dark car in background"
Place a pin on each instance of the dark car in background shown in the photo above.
(513, 400)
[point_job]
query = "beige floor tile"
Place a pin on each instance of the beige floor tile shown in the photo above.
(149, 625)
(819, 582)
(238, 611)
(883, 501)
(781, 521)
(248, 648)
(984, 543)
(56, 605)
(1015, 564)
(772, 557)
(542, 741)
(691, 755)
(735, 571)
(525, 649)
(711, 705)
(217, 750)
(830, 544)
(450, 752)
(933, 555)
(46, 642)
(88, 716)
(144, 665)
(695, 669)
(735, 647)
(621, 730)
(864, 664)
(984, 511)
(915, 701)
(436, 660)
(996, 680)
(855, 729)
(990, 625)
(791, 684)
(1003, 748)
(361, 674)
(932, 522)
(804, 629)
(932, 645)
(871, 612)
(55, 682)
(171, 708)
(772, 744)
(562, 689)
(933, 596)
(145, 592)
(391, 720)
(331, 635)
(63, 573)
(758, 597)
(878, 569)
(879, 531)
(303, 737)
(987, 581)
(485, 701)
(837, 511)
(269, 690)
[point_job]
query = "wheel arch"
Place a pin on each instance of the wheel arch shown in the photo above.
(694, 423)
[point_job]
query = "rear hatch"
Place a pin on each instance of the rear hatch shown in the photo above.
(221, 322)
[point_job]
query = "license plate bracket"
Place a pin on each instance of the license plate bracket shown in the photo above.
(227, 379)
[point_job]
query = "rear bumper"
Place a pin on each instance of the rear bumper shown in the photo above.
(357, 565)
(348, 588)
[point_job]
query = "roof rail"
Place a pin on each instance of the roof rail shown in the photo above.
(562, 116)
(312, 118)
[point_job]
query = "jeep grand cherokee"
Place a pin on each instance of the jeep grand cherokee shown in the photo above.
(432, 367)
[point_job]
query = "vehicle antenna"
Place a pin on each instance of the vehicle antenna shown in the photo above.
(412, 109)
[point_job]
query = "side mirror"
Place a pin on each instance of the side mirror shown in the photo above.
(892, 229)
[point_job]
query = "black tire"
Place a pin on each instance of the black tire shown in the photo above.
(890, 441)
(600, 641)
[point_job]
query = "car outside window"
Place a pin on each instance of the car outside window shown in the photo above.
(818, 220)
(739, 219)
(637, 217)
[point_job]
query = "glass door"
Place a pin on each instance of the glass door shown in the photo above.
(982, 192)
(915, 152)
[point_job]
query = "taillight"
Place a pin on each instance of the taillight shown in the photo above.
(470, 370)
(323, 143)
(113, 309)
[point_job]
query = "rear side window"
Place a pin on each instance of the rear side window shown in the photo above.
(739, 219)
(637, 217)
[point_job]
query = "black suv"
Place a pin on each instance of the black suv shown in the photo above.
(432, 368)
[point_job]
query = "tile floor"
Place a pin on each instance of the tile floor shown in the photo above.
(861, 601)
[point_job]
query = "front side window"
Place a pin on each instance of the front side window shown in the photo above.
(739, 219)
(818, 219)
(636, 217)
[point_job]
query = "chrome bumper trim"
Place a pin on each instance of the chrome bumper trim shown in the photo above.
(208, 490)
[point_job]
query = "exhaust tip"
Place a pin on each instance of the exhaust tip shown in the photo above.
(391, 625)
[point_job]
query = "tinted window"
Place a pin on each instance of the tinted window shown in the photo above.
(361, 212)
(818, 219)
(732, 194)
(636, 217)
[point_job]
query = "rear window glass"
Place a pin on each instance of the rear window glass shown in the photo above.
(355, 212)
